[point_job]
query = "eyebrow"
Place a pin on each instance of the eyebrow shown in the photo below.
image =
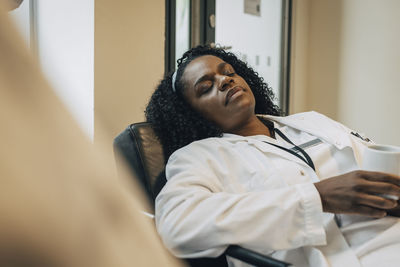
(208, 76)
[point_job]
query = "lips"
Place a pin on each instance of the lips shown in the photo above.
(231, 92)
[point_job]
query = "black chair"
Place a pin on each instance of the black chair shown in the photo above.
(144, 155)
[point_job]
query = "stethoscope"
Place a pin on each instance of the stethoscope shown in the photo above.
(304, 157)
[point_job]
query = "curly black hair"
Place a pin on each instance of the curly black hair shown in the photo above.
(177, 124)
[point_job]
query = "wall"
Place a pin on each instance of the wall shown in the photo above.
(65, 47)
(369, 86)
(350, 70)
(103, 58)
(299, 57)
(255, 39)
(324, 54)
(129, 60)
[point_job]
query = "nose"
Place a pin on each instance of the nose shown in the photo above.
(224, 82)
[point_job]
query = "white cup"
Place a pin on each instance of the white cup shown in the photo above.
(382, 158)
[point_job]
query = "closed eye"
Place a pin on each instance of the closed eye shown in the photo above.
(205, 90)
(205, 87)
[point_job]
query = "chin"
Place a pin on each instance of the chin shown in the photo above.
(246, 104)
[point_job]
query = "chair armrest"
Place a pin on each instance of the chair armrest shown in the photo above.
(253, 257)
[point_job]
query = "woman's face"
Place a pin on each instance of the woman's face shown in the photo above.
(214, 89)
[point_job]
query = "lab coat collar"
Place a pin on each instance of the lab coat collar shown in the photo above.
(318, 125)
(312, 122)
(326, 129)
(258, 141)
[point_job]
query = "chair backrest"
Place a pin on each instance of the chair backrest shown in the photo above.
(143, 153)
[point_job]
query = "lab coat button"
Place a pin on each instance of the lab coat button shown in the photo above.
(302, 173)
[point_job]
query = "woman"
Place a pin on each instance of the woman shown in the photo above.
(240, 174)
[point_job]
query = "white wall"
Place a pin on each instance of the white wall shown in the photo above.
(65, 36)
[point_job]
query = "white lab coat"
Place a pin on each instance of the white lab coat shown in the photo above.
(239, 190)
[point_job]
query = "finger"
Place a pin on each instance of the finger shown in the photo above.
(372, 187)
(375, 201)
(381, 177)
(371, 212)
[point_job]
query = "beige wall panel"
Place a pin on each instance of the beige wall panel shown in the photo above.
(324, 56)
(369, 88)
(129, 59)
(351, 64)
(299, 57)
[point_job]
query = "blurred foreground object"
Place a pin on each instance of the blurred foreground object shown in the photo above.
(61, 203)
(11, 4)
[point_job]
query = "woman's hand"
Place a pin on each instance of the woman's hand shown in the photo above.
(359, 192)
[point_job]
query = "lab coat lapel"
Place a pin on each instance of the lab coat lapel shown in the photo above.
(264, 147)
(268, 148)
(318, 125)
(328, 130)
